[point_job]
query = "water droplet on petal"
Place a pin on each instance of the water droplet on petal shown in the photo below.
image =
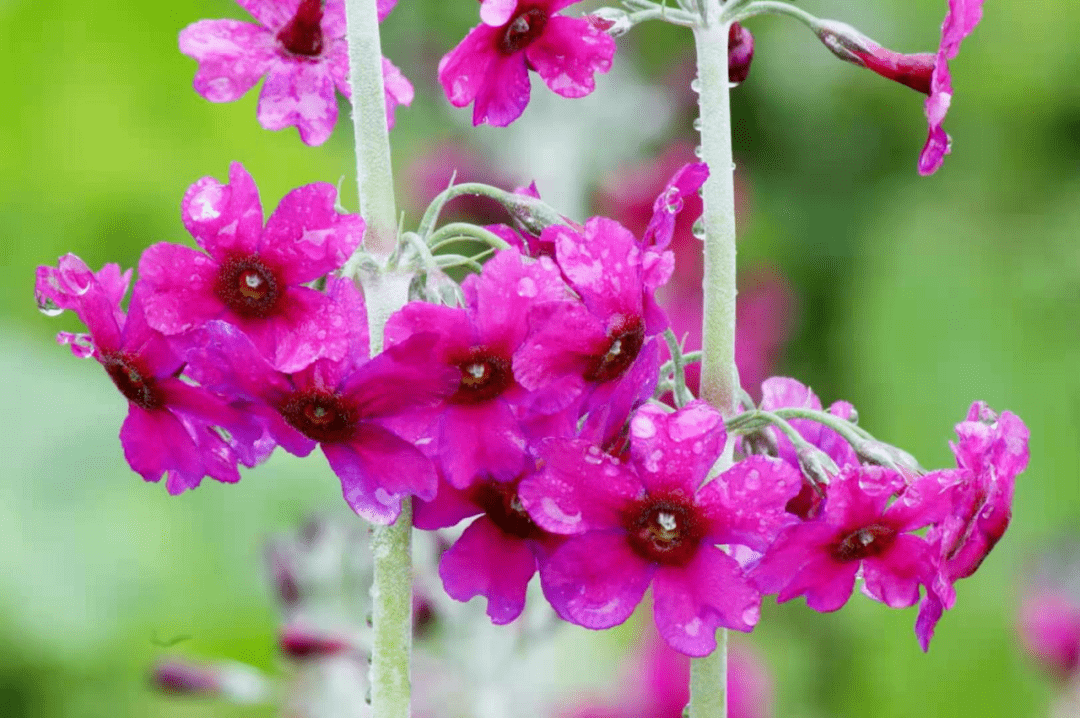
(527, 287)
(48, 307)
(751, 615)
(642, 427)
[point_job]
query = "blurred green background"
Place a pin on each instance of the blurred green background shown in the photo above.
(916, 297)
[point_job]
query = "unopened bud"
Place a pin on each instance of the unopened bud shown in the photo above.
(761, 443)
(304, 644)
(532, 214)
(816, 465)
(612, 20)
(850, 45)
(882, 454)
(740, 53)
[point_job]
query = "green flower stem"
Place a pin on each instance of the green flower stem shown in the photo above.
(456, 231)
(678, 367)
(384, 292)
(431, 214)
(719, 377)
(759, 7)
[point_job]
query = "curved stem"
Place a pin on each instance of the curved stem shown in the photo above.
(431, 214)
(719, 377)
(462, 230)
(759, 7)
(385, 291)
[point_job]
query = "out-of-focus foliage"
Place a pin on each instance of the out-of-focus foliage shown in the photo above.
(917, 297)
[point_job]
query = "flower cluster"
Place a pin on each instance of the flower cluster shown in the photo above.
(529, 407)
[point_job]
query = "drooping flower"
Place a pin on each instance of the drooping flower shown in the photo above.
(490, 67)
(605, 345)
(497, 554)
(649, 520)
(349, 406)
(169, 430)
(300, 47)
(478, 428)
(992, 450)
(927, 73)
(253, 276)
(859, 531)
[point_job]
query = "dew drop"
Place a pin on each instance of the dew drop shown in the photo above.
(695, 85)
(642, 427)
(526, 287)
(698, 152)
(698, 230)
(697, 124)
(48, 307)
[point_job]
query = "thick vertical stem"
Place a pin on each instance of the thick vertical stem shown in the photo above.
(719, 377)
(392, 588)
(374, 176)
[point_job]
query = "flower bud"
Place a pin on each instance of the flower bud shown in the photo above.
(532, 214)
(236, 682)
(850, 45)
(740, 53)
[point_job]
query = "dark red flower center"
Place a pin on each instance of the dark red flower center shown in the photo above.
(501, 503)
(485, 374)
(522, 29)
(320, 415)
(248, 286)
(303, 34)
(133, 380)
(625, 339)
(665, 529)
(864, 542)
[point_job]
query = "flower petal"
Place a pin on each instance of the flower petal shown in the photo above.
(232, 56)
(486, 562)
(692, 601)
(595, 580)
(568, 53)
(299, 93)
(306, 237)
(224, 219)
(178, 287)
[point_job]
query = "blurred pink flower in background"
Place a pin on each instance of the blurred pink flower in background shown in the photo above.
(1049, 616)
(654, 683)
(430, 173)
(764, 314)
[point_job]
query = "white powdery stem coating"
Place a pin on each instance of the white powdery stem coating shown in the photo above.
(719, 377)
(384, 294)
(374, 177)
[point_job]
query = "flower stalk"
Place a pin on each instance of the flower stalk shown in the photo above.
(385, 292)
(719, 377)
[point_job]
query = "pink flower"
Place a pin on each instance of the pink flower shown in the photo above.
(740, 53)
(490, 67)
(858, 530)
(635, 197)
(992, 450)
(783, 392)
(350, 407)
(959, 22)
(253, 276)
(478, 428)
(606, 344)
(169, 426)
(497, 554)
(648, 521)
(655, 683)
(300, 46)
(1050, 629)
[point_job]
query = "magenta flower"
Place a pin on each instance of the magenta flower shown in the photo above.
(1050, 629)
(490, 67)
(959, 22)
(992, 450)
(300, 47)
(648, 521)
(349, 406)
(478, 428)
(606, 344)
(858, 530)
(497, 554)
(253, 276)
(169, 429)
(635, 197)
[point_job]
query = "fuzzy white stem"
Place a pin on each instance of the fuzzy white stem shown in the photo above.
(719, 377)
(384, 293)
